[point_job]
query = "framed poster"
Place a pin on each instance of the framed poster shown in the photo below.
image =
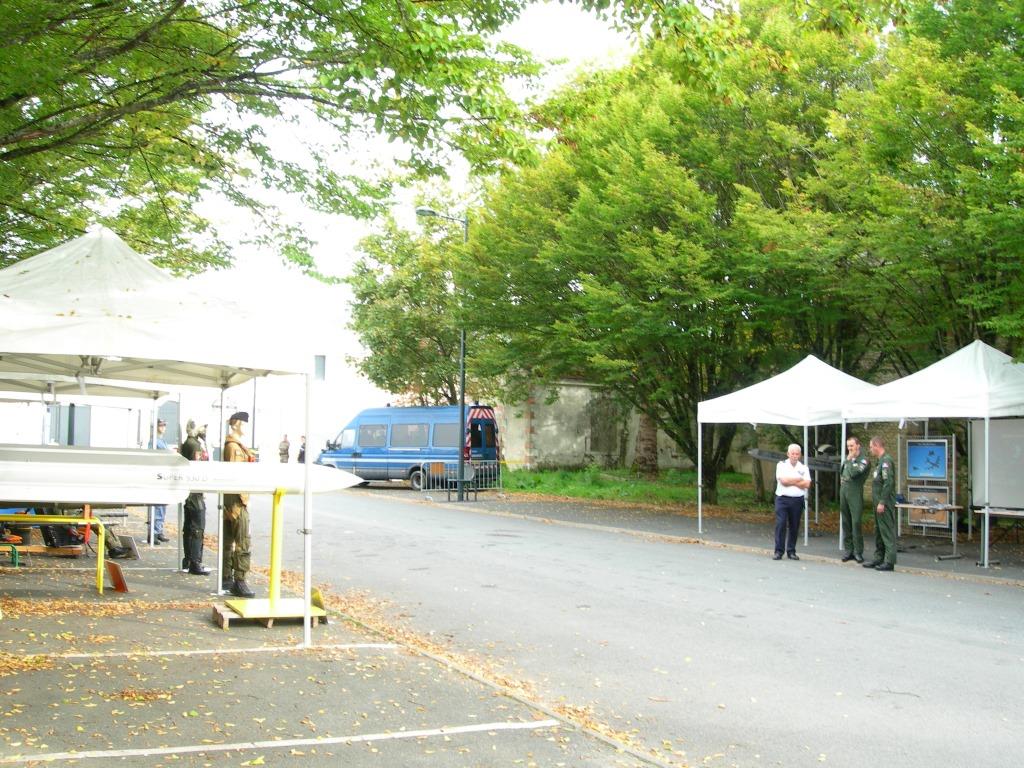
(927, 459)
(927, 499)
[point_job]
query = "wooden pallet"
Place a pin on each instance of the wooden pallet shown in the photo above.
(223, 616)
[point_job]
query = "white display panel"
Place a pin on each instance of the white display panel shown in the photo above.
(1006, 463)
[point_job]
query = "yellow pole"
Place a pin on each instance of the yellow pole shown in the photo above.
(101, 549)
(275, 547)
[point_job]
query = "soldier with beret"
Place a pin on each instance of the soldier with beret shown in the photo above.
(237, 538)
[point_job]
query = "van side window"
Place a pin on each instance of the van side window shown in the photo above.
(373, 435)
(409, 435)
(347, 439)
(446, 435)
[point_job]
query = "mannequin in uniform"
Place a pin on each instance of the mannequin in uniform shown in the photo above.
(195, 508)
(237, 539)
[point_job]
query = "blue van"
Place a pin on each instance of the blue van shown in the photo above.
(396, 443)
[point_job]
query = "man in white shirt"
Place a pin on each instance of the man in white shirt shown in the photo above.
(792, 479)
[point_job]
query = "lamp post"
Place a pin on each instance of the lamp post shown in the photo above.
(464, 221)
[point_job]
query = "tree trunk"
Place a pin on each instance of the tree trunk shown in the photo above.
(647, 446)
(758, 473)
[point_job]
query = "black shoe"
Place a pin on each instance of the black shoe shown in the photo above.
(872, 564)
(885, 567)
(185, 563)
(161, 537)
(848, 557)
(859, 558)
(777, 556)
(118, 553)
(240, 589)
(226, 586)
(198, 570)
(792, 556)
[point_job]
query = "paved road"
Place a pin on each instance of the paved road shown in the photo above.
(728, 656)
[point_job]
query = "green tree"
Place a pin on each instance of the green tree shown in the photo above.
(620, 256)
(917, 196)
(405, 312)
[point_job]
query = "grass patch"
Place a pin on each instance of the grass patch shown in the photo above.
(671, 487)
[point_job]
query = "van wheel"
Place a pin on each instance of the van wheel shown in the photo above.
(416, 479)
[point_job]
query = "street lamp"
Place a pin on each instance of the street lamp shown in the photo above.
(430, 213)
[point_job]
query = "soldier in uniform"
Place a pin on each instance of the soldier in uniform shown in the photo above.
(195, 507)
(883, 500)
(852, 475)
(237, 539)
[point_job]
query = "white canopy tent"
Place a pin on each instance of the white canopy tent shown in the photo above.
(975, 382)
(94, 307)
(811, 393)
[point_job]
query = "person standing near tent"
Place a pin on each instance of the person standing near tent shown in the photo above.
(852, 475)
(302, 451)
(194, 525)
(883, 499)
(284, 449)
(237, 544)
(159, 510)
(792, 479)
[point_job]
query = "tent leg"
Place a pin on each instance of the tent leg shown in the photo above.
(817, 477)
(307, 523)
(700, 478)
(842, 447)
(807, 520)
(217, 572)
(985, 533)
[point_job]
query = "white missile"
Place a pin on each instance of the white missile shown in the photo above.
(74, 475)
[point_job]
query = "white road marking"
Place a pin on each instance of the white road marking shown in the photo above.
(50, 757)
(218, 651)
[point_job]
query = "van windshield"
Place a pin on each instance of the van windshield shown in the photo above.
(346, 439)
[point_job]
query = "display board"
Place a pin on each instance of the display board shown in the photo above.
(928, 496)
(927, 459)
(1006, 462)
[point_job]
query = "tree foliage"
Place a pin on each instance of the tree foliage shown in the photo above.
(847, 183)
(130, 112)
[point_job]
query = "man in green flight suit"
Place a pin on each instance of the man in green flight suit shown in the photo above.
(883, 499)
(852, 475)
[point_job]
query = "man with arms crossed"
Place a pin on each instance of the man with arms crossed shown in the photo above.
(792, 479)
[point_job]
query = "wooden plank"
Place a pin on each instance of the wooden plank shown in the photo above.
(42, 549)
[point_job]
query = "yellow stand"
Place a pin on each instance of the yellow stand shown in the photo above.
(274, 606)
(72, 521)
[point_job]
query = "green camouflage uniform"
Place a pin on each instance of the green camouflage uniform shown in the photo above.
(883, 491)
(852, 476)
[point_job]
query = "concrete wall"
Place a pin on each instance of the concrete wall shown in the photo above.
(582, 426)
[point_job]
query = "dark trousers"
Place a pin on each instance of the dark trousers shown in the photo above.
(788, 510)
(193, 528)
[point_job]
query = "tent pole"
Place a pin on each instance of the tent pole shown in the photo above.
(807, 519)
(152, 444)
(984, 563)
(842, 447)
(700, 477)
(218, 571)
(817, 477)
(307, 523)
